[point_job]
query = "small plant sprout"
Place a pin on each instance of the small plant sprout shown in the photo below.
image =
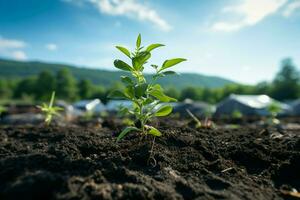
(273, 109)
(198, 124)
(2, 109)
(147, 96)
(50, 110)
(197, 121)
(236, 114)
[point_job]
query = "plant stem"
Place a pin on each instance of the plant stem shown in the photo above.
(151, 153)
(141, 120)
(152, 146)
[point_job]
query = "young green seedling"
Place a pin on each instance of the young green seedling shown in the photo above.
(147, 96)
(236, 114)
(273, 109)
(2, 109)
(197, 121)
(50, 110)
(207, 122)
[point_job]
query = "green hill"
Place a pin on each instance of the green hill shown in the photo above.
(14, 69)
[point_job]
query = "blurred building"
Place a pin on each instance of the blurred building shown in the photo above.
(199, 109)
(113, 106)
(248, 105)
(84, 106)
(295, 108)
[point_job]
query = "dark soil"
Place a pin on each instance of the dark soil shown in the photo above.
(86, 163)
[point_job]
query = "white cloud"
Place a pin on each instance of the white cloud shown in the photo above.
(51, 47)
(250, 12)
(130, 8)
(11, 43)
(291, 8)
(19, 55)
(12, 48)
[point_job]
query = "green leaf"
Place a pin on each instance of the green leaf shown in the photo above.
(153, 131)
(148, 101)
(52, 99)
(126, 80)
(153, 46)
(163, 111)
(123, 111)
(138, 41)
(161, 96)
(122, 65)
(140, 60)
(157, 92)
(154, 66)
(124, 50)
(169, 73)
(125, 131)
(129, 92)
(56, 108)
(166, 73)
(171, 62)
(116, 94)
(140, 90)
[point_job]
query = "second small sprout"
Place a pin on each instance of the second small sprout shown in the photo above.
(49, 110)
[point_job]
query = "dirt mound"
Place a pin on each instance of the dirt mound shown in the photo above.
(87, 163)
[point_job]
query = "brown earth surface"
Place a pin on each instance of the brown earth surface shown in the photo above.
(76, 162)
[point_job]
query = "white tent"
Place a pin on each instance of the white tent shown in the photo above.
(247, 105)
(295, 108)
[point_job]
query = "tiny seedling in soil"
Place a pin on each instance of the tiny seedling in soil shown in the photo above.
(2, 109)
(273, 109)
(198, 124)
(236, 114)
(147, 96)
(197, 121)
(50, 110)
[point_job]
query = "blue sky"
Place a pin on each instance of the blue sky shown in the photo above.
(243, 40)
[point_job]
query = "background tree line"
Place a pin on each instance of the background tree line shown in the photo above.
(40, 87)
(285, 86)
